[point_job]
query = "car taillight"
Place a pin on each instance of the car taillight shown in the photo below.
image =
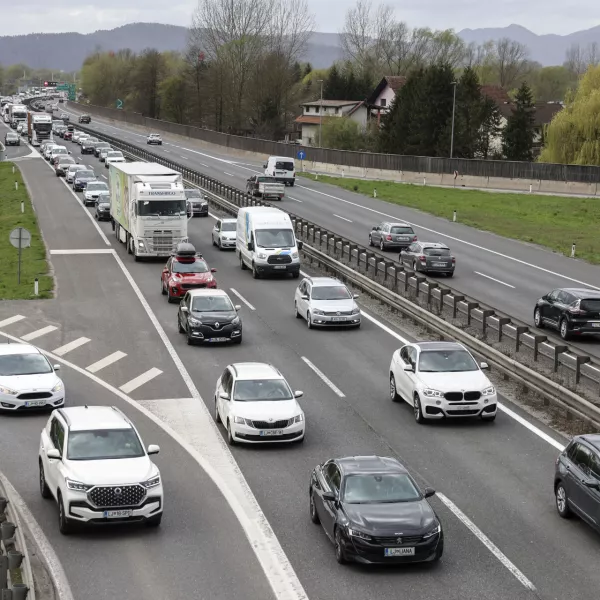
(414, 238)
(388, 238)
(575, 309)
(422, 258)
(453, 259)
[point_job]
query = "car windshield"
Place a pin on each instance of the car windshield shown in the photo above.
(197, 266)
(76, 168)
(212, 304)
(67, 160)
(104, 444)
(275, 238)
(400, 230)
(284, 166)
(23, 364)
(192, 194)
(379, 488)
(436, 251)
(228, 226)
(57, 151)
(115, 154)
(446, 361)
(161, 208)
(256, 390)
(97, 187)
(102, 145)
(331, 292)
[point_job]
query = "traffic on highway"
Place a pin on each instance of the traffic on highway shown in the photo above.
(328, 410)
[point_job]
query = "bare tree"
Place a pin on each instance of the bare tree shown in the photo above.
(511, 61)
(592, 55)
(575, 60)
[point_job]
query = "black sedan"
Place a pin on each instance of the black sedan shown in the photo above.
(82, 178)
(102, 210)
(373, 511)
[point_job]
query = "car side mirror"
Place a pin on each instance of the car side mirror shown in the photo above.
(304, 297)
(238, 307)
(409, 368)
(355, 296)
(264, 166)
(184, 308)
(429, 492)
(250, 246)
(300, 245)
(484, 365)
(298, 394)
(153, 449)
(56, 367)
(213, 270)
(53, 454)
(329, 497)
(224, 396)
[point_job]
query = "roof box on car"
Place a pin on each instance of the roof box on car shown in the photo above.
(185, 250)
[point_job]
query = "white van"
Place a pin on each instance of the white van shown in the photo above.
(266, 243)
(282, 168)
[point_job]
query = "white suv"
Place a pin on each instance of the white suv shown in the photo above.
(93, 462)
(441, 379)
(256, 405)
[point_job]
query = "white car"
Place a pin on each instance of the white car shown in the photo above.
(441, 379)
(326, 301)
(28, 380)
(154, 138)
(114, 156)
(223, 233)
(92, 461)
(70, 175)
(94, 192)
(76, 136)
(256, 405)
(82, 138)
(48, 149)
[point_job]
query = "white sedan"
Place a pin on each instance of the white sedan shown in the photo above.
(441, 379)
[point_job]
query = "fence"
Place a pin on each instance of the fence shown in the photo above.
(363, 160)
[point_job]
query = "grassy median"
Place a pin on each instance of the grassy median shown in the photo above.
(33, 259)
(552, 221)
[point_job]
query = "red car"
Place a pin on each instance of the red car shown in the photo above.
(184, 271)
(68, 135)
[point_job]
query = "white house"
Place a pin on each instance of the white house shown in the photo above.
(313, 114)
(384, 94)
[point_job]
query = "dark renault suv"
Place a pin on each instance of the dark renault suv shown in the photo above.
(577, 480)
(571, 311)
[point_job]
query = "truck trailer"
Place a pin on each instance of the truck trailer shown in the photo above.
(147, 208)
(39, 128)
(17, 114)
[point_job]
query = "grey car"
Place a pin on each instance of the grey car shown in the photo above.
(428, 257)
(389, 235)
(12, 139)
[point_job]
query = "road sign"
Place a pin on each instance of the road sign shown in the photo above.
(301, 155)
(50, 84)
(20, 238)
(119, 103)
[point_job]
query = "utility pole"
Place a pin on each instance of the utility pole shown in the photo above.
(453, 113)
(321, 116)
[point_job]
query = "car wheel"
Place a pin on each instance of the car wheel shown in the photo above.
(65, 525)
(537, 319)
(562, 504)
(393, 389)
(154, 521)
(213, 240)
(564, 329)
(179, 327)
(415, 268)
(439, 552)
(242, 263)
(96, 216)
(230, 440)
(189, 339)
(255, 273)
(309, 321)
(171, 299)
(381, 245)
(219, 245)
(339, 549)
(418, 411)
(298, 315)
(162, 288)
(237, 340)
(217, 415)
(370, 240)
(44, 489)
(450, 274)
(314, 515)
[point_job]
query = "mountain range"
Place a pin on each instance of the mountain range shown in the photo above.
(66, 51)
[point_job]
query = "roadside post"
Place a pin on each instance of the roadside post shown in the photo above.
(301, 156)
(20, 238)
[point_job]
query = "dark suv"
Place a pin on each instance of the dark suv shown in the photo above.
(429, 257)
(85, 119)
(570, 310)
(577, 479)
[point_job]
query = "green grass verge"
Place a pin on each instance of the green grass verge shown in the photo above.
(33, 259)
(552, 221)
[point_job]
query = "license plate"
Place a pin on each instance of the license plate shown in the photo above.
(338, 318)
(221, 339)
(280, 266)
(440, 264)
(462, 407)
(401, 238)
(35, 403)
(116, 514)
(271, 432)
(595, 324)
(399, 551)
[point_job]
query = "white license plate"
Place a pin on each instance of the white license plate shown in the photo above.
(439, 264)
(117, 514)
(35, 403)
(595, 324)
(221, 339)
(280, 266)
(338, 318)
(401, 238)
(270, 432)
(462, 407)
(399, 552)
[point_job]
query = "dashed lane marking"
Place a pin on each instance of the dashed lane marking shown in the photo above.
(106, 361)
(39, 333)
(71, 346)
(140, 380)
(12, 320)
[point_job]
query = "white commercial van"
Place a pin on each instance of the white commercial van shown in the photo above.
(282, 168)
(266, 243)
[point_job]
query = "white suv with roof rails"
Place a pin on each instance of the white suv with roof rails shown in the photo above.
(92, 461)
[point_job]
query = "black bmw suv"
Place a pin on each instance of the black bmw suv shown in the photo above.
(570, 310)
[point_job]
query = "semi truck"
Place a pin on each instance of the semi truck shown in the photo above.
(39, 128)
(17, 114)
(147, 208)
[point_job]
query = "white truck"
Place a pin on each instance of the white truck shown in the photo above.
(147, 208)
(39, 128)
(17, 114)
(267, 188)
(266, 242)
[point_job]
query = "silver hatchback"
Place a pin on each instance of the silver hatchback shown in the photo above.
(389, 235)
(429, 257)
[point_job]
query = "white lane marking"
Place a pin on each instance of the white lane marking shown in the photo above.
(12, 320)
(50, 558)
(324, 377)
(106, 361)
(184, 157)
(455, 239)
(71, 346)
(83, 251)
(176, 400)
(165, 150)
(384, 327)
(460, 515)
(536, 430)
(294, 199)
(243, 299)
(342, 218)
(140, 380)
(102, 175)
(494, 279)
(39, 333)
(230, 174)
(205, 165)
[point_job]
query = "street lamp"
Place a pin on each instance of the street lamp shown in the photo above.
(454, 83)
(321, 115)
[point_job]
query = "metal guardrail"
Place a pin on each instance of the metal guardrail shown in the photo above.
(560, 373)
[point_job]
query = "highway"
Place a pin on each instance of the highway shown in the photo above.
(505, 274)
(494, 481)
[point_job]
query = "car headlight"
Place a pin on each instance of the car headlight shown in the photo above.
(358, 534)
(299, 418)
(77, 485)
(433, 393)
(316, 311)
(489, 391)
(152, 482)
(203, 203)
(294, 255)
(435, 531)
(141, 243)
(262, 256)
(58, 387)
(239, 420)
(195, 322)
(356, 311)
(236, 321)
(5, 390)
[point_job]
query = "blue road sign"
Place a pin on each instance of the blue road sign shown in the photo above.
(301, 155)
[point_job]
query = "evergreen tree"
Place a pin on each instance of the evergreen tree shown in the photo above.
(468, 117)
(518, 134)
(489, 128)
(334, 86)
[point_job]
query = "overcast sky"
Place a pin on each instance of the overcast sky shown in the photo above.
(85, 16)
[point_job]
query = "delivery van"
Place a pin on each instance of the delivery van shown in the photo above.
(282, 168)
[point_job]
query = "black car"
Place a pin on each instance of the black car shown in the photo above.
(208, 315)
(85, 119)
(99, 146)
(570, 310)
(87, 147)
(373, 511)
(102, 211)
(82, 178)
(577, 480)
(197, 204)
(428, 257)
